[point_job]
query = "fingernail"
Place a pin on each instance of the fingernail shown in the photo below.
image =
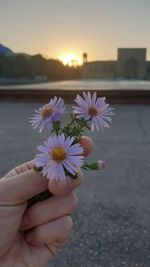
(63, 185)
(59, 187)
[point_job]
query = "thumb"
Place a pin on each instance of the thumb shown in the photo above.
(18, 189)
(26, 183)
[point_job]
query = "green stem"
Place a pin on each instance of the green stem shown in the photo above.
(40, 197)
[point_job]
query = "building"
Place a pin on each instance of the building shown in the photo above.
(5, 50)
(130, 64)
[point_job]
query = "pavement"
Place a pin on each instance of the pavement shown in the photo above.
(112, 222)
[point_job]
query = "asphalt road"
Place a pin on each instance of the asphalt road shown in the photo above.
(112, 223)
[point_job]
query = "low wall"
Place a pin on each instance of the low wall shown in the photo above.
(40, 95)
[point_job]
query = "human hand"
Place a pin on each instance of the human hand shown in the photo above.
(31, 236)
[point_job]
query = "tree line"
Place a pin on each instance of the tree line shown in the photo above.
(24, 66)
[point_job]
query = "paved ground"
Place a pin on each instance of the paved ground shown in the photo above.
(112, 223)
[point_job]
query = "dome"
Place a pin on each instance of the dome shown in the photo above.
(5, 50)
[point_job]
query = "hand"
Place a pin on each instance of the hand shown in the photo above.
(31, 236)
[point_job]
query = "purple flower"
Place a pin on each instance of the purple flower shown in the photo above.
(94, 109)
(59, 154)
(49, 113)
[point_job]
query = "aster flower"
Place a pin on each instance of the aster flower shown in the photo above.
(48, 114)
(59, 155)
(94, 109)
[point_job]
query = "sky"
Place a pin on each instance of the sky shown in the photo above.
(56, 28)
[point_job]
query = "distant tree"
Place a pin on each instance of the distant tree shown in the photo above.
(2, 65)
(23, 66)
(37, 65)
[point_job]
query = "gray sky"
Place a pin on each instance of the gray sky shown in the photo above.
(58, 27)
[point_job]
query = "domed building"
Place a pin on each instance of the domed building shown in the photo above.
(130, 64)
(5, 50)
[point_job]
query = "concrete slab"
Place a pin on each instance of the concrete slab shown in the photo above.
(112, 223)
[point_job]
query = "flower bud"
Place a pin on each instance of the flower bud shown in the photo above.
(95, 166)
(101, 165)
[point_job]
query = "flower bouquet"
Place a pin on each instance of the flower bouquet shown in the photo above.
(61, 154)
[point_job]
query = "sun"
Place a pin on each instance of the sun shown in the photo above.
(70, 60)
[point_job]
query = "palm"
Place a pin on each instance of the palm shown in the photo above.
(27, 255)
(43, 232)
(15, 250)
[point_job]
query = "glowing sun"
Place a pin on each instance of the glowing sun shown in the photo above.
(70, 60)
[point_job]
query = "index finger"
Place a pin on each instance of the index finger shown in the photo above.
(87, 144)
(18, 189)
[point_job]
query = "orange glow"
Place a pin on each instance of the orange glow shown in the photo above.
(71, 60)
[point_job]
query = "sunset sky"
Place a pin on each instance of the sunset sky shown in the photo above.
(56, 28)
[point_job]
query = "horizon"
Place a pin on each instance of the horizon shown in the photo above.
(59, 29)
(23, 52)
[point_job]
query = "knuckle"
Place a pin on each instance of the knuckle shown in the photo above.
(68, 224)
(38, 235)
(73, 201)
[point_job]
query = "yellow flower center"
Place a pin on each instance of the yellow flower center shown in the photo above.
(59, 154)
(46, 112)
(93, 111)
